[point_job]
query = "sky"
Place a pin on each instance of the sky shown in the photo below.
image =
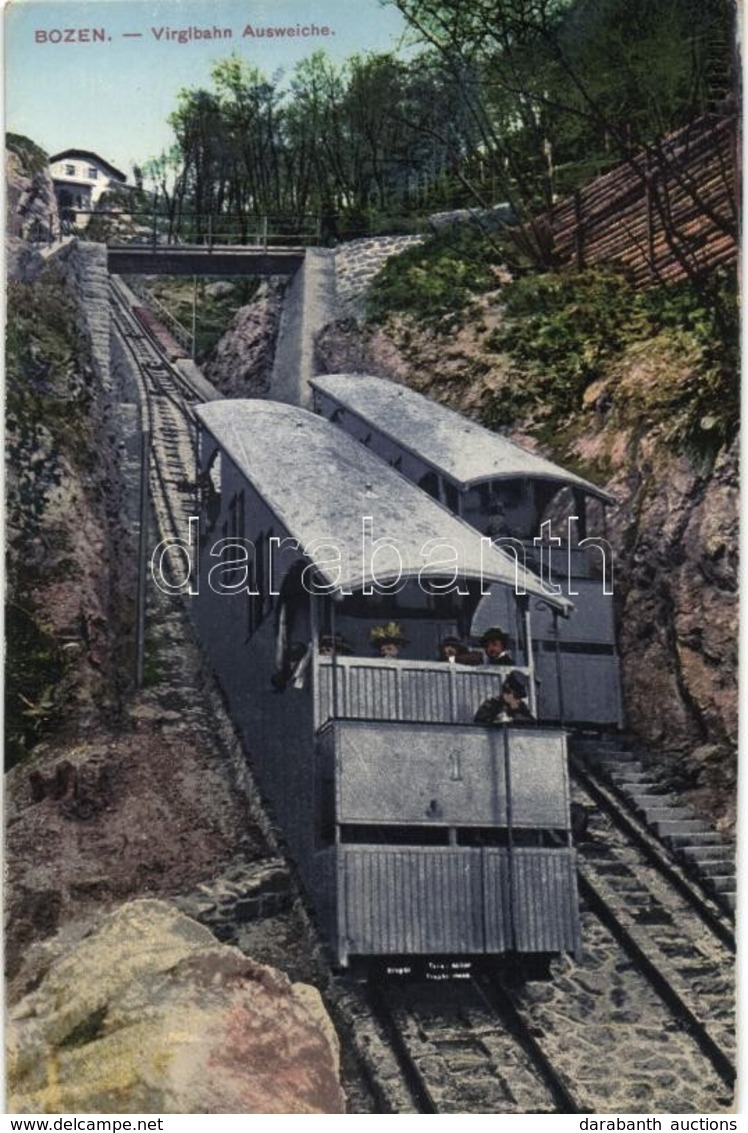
(65, 88)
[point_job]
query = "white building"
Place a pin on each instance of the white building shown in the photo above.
(80, 179)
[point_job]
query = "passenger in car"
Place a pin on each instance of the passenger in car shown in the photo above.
(508, 708)
(337, 644)
(495, 642)
(388, 639)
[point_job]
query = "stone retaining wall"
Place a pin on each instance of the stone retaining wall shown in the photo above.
(88, 263)
(245, 892)
(356, 264)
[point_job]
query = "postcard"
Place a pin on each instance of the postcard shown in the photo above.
(372, 401)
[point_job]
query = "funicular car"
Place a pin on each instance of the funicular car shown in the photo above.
(553, 519)
(415, 831)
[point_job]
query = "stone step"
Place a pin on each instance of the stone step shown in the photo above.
(659, 814)
(710, 852)
(724, 884)
(655, 802)
(717, 868)
(676, 827)
(615, 768)
(648, 798)
(623, 775)
(618, 755)
(695, 838)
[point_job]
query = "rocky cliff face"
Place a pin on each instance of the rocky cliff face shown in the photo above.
(30, 208)
(30, 197)
(675, 533)
(241, 363)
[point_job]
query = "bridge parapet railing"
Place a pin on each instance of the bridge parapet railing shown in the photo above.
(264, 231)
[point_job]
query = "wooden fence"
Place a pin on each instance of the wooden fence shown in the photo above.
(668, 213)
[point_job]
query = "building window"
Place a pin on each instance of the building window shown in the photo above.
(93, 173)
(70, 171)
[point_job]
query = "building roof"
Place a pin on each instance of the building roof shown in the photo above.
(321, 484)
(88, 155)
(461, 450)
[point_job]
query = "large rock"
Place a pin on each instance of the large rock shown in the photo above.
(242, 362)
(30, 198)
(149, 1014)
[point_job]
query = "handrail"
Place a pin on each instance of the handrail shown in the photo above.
(180, 332)
(209, 230)
(403, 690)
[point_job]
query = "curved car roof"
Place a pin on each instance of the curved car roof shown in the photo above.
(460, 449)
(321, 483)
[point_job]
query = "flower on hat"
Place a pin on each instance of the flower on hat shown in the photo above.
(389, 631)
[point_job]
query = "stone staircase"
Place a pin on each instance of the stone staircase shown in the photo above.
(692, 840)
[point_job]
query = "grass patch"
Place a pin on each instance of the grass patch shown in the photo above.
(437, 282)
(566, 330)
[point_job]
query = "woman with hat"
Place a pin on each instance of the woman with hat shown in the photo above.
(508, 708)
(387, 639)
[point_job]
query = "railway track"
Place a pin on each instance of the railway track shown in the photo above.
(613, 1032)
(462, 1048)
(675, 932)
(166, 401)
(642, 1023)
(703, 861)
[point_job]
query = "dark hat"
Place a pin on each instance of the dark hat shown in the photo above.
(516, 684)
(492, 634)
(336, 642)
(452, 641)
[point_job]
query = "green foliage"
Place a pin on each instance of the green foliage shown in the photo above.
(564, 330)
(436, 282)
(48, 395)
(707, 410)
(33, 679)
(561, 331)
(564, 88)
(214, 312)
(508, 101)
(33, 158)
(564, 326)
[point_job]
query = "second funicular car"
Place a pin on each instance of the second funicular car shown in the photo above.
(554, 520)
